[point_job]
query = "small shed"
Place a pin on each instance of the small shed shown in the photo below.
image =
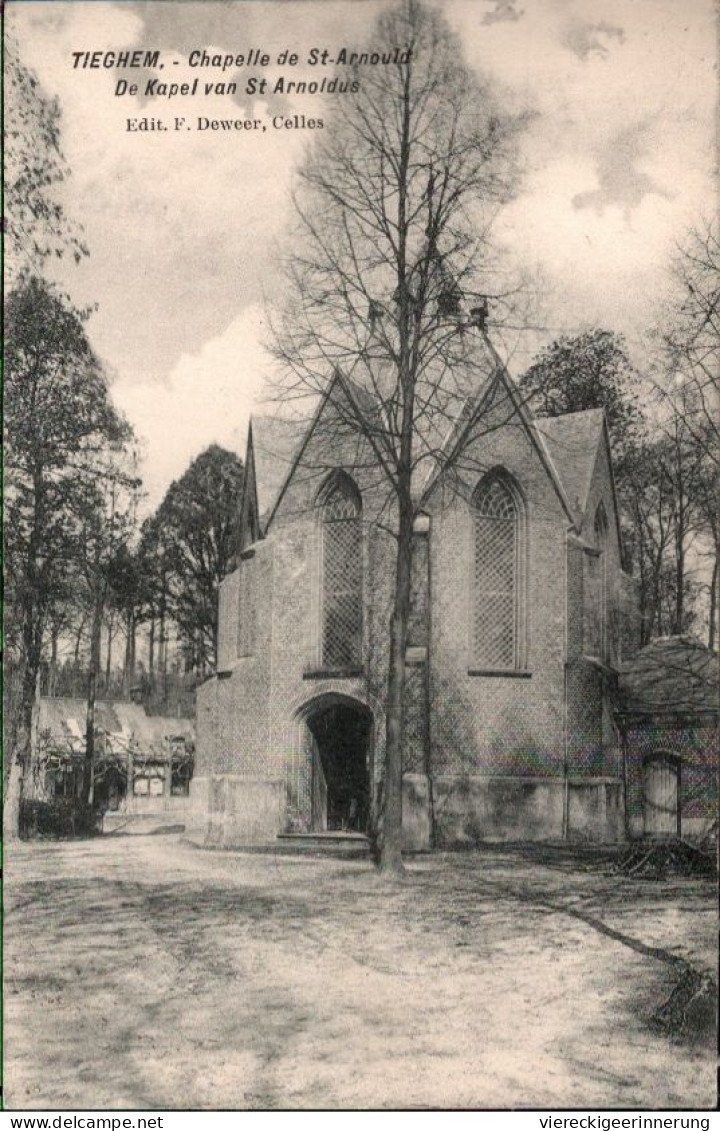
(668, 714)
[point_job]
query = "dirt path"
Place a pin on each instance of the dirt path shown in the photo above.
(144, 973)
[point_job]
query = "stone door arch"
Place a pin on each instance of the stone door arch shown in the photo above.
(339, 748)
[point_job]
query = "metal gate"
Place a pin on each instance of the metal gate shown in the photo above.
(660, 796)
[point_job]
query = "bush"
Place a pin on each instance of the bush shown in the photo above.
(58, 817)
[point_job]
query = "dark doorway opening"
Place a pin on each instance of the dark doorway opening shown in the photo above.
(109, 789)
(341, 767)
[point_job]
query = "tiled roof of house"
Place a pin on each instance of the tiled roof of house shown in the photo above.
(64, 719)
(672, 673)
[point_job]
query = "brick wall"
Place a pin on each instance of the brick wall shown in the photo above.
(696, 746)
(251, 722)
(232, 709)
(490, 724)
(593, 747)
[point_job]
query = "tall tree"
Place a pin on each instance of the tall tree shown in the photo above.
(657, 488)
(59, 423)
(688, 381)
(36, 224)
(195, 532)
(590, 370)
(690, 338)
(153, 584)
(657, 466)
(105, 523)
(127, 596)
(394, 209)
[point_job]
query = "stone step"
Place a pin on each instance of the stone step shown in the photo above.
(334, 843)
(330, 835)
(143, 824)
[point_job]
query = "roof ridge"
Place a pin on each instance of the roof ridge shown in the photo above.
(565, 415)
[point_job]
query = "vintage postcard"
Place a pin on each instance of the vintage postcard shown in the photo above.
(361, 556)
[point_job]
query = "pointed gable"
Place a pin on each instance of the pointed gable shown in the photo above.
(249, 512)
(346, 399)
(493, 379)
(568, 446)
(273, 446)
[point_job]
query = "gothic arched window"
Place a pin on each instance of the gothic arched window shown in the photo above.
(497, 575)
(341, 587)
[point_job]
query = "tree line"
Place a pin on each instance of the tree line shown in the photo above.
(82, 572)
(664, 441)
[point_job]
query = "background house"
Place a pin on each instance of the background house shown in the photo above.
(142, 763)
(668, 714)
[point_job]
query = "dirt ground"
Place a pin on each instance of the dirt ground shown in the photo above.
(142, 972)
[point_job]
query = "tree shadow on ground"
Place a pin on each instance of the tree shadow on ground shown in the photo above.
(124, 970)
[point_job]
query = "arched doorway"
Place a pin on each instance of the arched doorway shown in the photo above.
(341, 745)
(661, 795)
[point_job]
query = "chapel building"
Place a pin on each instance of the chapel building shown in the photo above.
(521, 616)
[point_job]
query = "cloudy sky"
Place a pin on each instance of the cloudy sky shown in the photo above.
(184, 228)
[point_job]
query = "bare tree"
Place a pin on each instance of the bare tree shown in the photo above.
(395, 206)
(706, 501)
(688, 385)
(691, 337)
(105, 524)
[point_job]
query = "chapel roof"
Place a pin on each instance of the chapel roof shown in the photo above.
(276, 442)
(670, 674)
(572, 441)
(568, 443)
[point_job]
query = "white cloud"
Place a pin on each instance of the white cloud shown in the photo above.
(181, 225)
(207, 399)
(654, 79)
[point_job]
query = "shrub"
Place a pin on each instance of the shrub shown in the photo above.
(58, 817)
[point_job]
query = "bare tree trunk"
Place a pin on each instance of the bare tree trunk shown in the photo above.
(712, 630)
(391, 847)
(680, 523)
(33, 610)
(19, 756)
(126, 682)
(108, 658)
(52, 679)
(162, 649)
(129, 666)
(86, 795)
(656, 618)
(78, 641)
(87, 787)
(162, 662)
(151, 651)
(12, 799)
